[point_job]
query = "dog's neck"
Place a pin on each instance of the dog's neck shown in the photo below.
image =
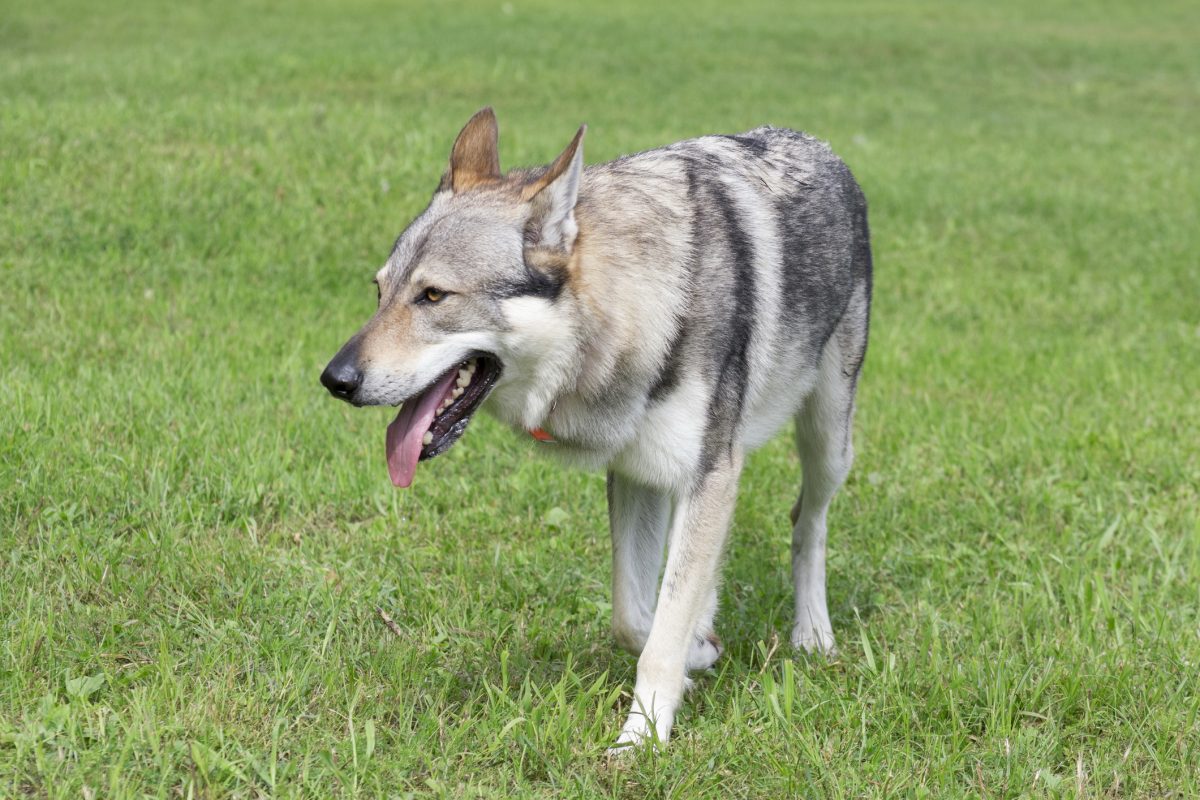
(599, 366)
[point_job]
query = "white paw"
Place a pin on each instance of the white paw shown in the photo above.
(638, 732)
(628, 743)
(704, 652)
(813, 639)
(642, 730)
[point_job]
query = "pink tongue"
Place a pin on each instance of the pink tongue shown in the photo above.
(408, 428)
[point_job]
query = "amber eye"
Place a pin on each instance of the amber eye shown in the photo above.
(432, 295)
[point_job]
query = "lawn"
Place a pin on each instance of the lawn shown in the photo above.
(197, 542)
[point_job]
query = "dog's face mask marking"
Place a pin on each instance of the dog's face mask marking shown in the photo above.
(486, 260)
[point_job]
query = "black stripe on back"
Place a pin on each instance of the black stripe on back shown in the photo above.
(753, 146)
(672, 368)
(733, 371)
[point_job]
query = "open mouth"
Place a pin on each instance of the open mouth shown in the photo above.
(431, 421)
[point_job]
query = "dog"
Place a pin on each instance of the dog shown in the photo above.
(657, 316)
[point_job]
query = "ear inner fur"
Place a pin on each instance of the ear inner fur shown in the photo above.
(556, 169)
(475, 158)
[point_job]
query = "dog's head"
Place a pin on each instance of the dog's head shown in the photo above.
(473, 286)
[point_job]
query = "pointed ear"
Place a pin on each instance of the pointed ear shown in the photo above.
(553, 196)
(475, 158)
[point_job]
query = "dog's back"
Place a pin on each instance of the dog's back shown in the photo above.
(730, 262)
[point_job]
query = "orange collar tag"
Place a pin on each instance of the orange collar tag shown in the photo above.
(541, 435)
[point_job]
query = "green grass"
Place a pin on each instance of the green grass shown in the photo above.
(195, 539)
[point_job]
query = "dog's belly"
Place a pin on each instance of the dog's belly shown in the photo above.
(662, 446)
(775, 402)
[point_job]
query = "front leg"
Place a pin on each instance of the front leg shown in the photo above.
(697, 539)
(638, 517)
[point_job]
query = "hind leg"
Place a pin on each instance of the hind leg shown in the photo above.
(823, 439)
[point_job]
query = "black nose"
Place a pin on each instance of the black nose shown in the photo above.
(341, 378)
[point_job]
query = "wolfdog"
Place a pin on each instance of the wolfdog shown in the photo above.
(657, 316)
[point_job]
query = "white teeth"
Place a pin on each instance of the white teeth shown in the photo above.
(457, 393)
(427, 439)
(470, 368)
